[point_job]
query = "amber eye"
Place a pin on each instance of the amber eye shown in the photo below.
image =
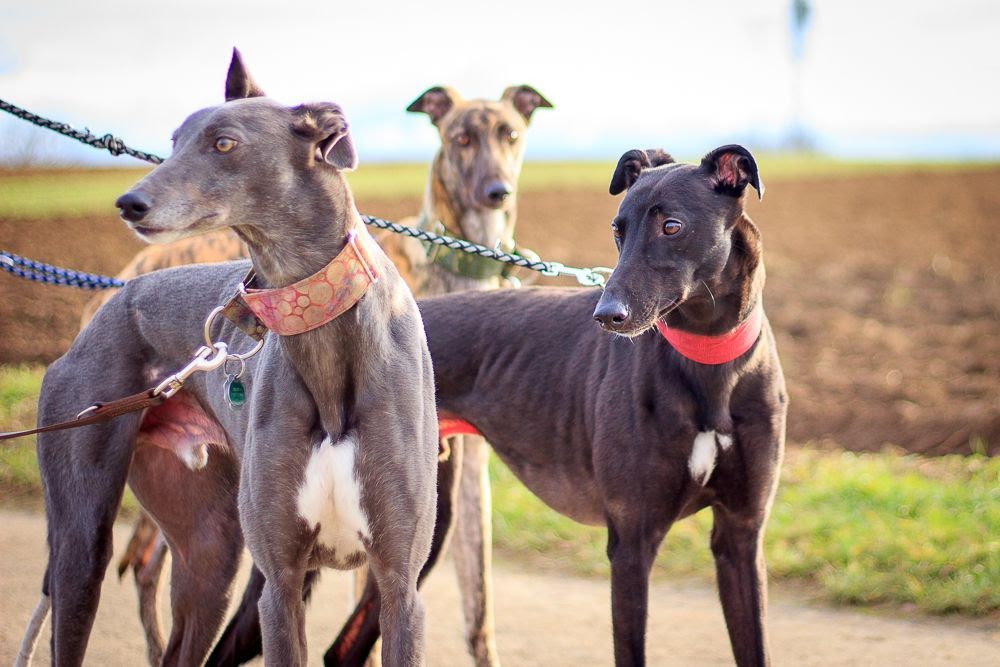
(615, 231)
(463, 139)
(225, 144)
(671, 227)
(512, 136)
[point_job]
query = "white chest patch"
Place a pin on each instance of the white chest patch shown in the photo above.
(703, 454)
(330, 497)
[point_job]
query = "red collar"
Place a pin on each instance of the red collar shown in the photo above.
(318, 299)
(716, 349)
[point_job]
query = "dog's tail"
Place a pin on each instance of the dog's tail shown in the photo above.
(30, 639)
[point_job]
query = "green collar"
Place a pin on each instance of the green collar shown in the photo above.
(461, 263)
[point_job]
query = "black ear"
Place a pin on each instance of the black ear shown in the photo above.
(324, 124)
(631, 164)
(525, 99)
(731, 169)
(239, 83)
(435, 102)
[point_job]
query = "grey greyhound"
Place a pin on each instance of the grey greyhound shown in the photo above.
(471, 194)
(333, 457)
(637, 430)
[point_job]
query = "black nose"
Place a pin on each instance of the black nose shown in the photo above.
(611, 313)
(133, 206)
(497, 192)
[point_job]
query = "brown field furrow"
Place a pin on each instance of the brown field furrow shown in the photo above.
(884, 292)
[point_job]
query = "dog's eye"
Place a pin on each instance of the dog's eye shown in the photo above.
(463, 139)
(225, 144)
(512, 136)
(615, 231)
(671, 227)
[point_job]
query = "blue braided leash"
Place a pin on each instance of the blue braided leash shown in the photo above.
(54, 275)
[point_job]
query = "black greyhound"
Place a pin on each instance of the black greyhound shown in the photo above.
(631, 434)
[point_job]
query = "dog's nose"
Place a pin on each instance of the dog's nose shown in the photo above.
(497, 192)
(133, 206)
(611, 313)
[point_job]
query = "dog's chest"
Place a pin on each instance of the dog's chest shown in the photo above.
(697, 420)
(329, 500)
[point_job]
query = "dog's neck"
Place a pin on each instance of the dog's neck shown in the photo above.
(720, 305)
(709, 314)
(443, 209)
(314, 231)
(326, 357)
(485, 226)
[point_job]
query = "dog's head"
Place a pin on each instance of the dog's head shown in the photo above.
(686, 247)
(238, 163)
(482, 143)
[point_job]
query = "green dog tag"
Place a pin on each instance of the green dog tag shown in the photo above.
(236, 393)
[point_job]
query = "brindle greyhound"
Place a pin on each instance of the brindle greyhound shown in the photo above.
(632, 431)
(471, 194)
(333, 457)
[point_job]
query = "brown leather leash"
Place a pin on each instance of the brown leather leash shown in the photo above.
(98, 412)
(205, 359)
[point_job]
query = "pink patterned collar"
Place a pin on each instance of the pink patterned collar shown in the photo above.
(716, 349)
(320, 298)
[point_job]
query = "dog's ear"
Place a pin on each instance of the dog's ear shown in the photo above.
(435, 102)
(747, 249)
(239, 83)
(324, 124)
(631, 164)
(525, 99)
(731, 168)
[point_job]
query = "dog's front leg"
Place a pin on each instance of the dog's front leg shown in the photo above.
(631, 553)
(473, 550)
(746, 487)
(280, 441)
(354, 646)
(396, 468)
(742, 580)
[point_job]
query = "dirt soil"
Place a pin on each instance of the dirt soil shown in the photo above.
(542, 619)
(883, 290)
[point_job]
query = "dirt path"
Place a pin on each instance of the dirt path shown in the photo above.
(542, 619)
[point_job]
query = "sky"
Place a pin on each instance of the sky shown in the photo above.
(889, 79)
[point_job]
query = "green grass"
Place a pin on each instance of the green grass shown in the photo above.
(890, 528)
(19, 387)
(859, 528)
(47, 193)
(63, 193)
(19, 479)
(864, 528)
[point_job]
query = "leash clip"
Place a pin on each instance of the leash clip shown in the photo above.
(207, 332)
(205, 359)
(593, 277)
